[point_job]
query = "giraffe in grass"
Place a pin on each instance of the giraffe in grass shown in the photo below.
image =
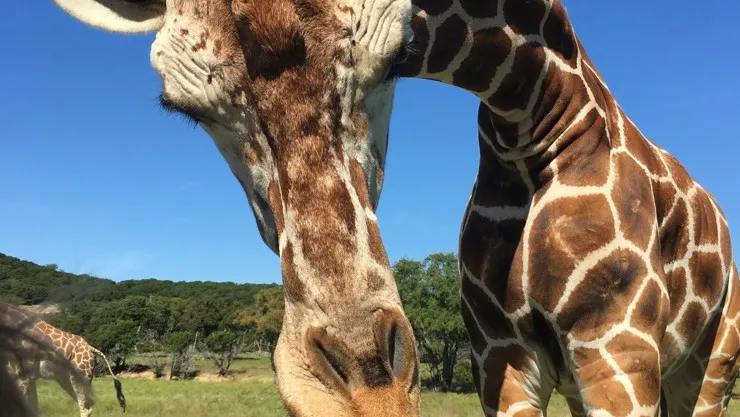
(43, 351)
(13, 400)
(591, 263)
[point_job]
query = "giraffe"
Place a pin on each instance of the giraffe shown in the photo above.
(43, 351)
(591, 263)
(11, 397)
(590, 260)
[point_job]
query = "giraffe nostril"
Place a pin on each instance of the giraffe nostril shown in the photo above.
(392, 362)
(329, 360)
(395, 339)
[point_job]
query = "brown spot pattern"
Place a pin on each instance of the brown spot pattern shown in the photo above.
(558, 33)
(674, 237)
(489, 255)
(357, 175)
(633, 197)
(377, 250)
(288, 50)
(253, 154)
(491, 320)
(639, 360)
(707, 277)
(678, 174)
(504, 187)
(566, 228)
(449, 38)
(276, 204)
(524, 16)
(490, 45)
(518, 85)
(665, 197)
(480, 9)
(602, 298)
(676, 286)
(415, 61)
(647, 313)
(691, 322)
(705, 219)
(292, 284)
(585, 162)
(374, 281)
(503, 384)
(433, 7)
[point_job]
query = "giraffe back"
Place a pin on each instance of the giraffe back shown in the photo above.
(695, 245)
(71, 346)
(45, 343)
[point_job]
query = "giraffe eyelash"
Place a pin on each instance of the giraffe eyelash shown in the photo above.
(170, 108)
(404, 53)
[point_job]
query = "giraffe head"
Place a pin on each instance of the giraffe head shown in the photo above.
(296, 97)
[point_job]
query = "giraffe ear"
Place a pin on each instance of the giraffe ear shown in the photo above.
(123, 16)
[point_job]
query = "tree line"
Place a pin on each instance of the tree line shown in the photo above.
(170, 321)
(26, 283)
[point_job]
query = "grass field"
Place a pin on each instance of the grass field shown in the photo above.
(249, 393)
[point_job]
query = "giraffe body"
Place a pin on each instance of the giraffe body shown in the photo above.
(601, 296)
(50, 353)
(590, 261)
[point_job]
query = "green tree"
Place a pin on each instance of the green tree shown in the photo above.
(431, 298)
(221, 348)
(179, 343)
(116, 339)
(149, 313)
(7, 297)
(179, 340)
(152, 349)
(72, 323)
(208, 314)
(265, 316)
(24, 282)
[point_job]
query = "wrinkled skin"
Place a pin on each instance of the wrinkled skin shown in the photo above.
(296, 97)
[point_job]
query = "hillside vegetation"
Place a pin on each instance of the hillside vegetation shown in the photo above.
(26, 283)
(164, 326)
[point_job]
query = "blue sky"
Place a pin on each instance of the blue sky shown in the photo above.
(96, 178)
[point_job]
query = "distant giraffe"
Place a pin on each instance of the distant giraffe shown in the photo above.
(13, 400)
(591, 262)
(36, 355)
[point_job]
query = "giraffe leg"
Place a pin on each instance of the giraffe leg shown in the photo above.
(83, 392)
(66, 383)
(29, 391)
(27, 383)
(702, 388)
(703, 385)
(575, 405)
(569, 390)
(618, 378)
(509, 383)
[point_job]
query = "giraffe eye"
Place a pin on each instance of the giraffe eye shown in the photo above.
(402, 56)
(394, 71)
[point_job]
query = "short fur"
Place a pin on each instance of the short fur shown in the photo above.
(43, 351)
(590, 261)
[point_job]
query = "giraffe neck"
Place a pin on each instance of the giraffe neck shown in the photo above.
(538, 91)
(332, 257)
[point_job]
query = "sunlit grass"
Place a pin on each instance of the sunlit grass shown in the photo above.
(248, 393)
